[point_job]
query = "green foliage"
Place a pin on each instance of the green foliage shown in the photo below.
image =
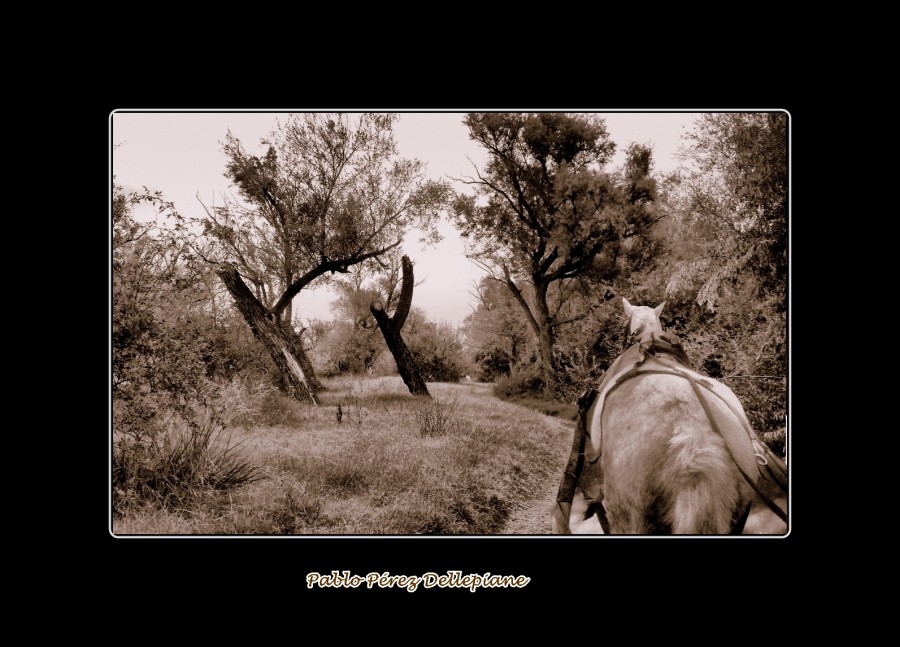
(328, 193)
(734, 199)
(354, 341)
(229, 349)
(586, 344)
(742, 344)
(348, 348)
(718, 259)
(169, 352)
(328, 188)
(354, 344)
(727, 283)
(548, 206)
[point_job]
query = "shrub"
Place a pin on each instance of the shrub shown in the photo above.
(437, 417)
(178, 465)
(253, 401)
(346, 347)
(491, 364)
(438, 352)
(523, 381)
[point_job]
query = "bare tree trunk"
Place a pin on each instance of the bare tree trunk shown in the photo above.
(267, 329)
(307, 367)
(390, 329)
(302, 357)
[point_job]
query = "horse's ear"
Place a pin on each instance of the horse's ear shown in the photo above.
(658, 309)
(629, 309)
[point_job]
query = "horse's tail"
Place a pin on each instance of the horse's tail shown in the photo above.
(706, 490)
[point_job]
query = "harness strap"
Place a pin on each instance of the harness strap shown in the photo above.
(778, 475)
(750, 481)
(561, 512)
(574, 467)
(598, 508)
(739, 526)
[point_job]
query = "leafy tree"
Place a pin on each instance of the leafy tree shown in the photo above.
(497, 334)
(354, 341)
(546, 212)
(727, 277)
(328, 193)
(734, 203)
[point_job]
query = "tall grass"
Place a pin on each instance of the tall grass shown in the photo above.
(178, 466)
(395, 464)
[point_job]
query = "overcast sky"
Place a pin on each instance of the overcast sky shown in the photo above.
(180, 154)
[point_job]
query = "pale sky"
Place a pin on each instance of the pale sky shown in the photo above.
(180, 154)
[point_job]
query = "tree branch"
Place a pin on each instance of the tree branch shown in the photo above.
(406, 293)
(584, 314)
(327, 265)
(517, 294)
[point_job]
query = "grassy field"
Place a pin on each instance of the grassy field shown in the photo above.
(393, 464)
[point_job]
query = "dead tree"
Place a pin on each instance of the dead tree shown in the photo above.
(390, 328)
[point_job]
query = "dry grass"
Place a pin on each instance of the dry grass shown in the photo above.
(561, 410)
(394, 464)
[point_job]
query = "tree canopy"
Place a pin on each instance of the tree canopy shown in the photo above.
(546, 211)
(734, 202)
(329, 192)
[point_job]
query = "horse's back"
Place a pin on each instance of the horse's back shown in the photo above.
(666, 468)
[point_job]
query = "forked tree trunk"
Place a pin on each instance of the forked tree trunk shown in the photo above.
(390, 329)
(267, 329)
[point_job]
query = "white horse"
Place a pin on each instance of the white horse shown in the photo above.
(667, 450)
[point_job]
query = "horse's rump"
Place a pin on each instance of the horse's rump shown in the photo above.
(666, 469)
(659, 449)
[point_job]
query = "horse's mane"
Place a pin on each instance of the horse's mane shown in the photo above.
(669, 345)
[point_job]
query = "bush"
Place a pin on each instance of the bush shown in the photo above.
(345, 347)
(174, 467)
(438, 352)
(436, 418)
(491, 364)
(253, 401)
(523, 381)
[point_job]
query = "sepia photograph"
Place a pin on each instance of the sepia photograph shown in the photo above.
(461, 324)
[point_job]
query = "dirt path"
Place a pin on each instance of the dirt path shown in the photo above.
(533, 518)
